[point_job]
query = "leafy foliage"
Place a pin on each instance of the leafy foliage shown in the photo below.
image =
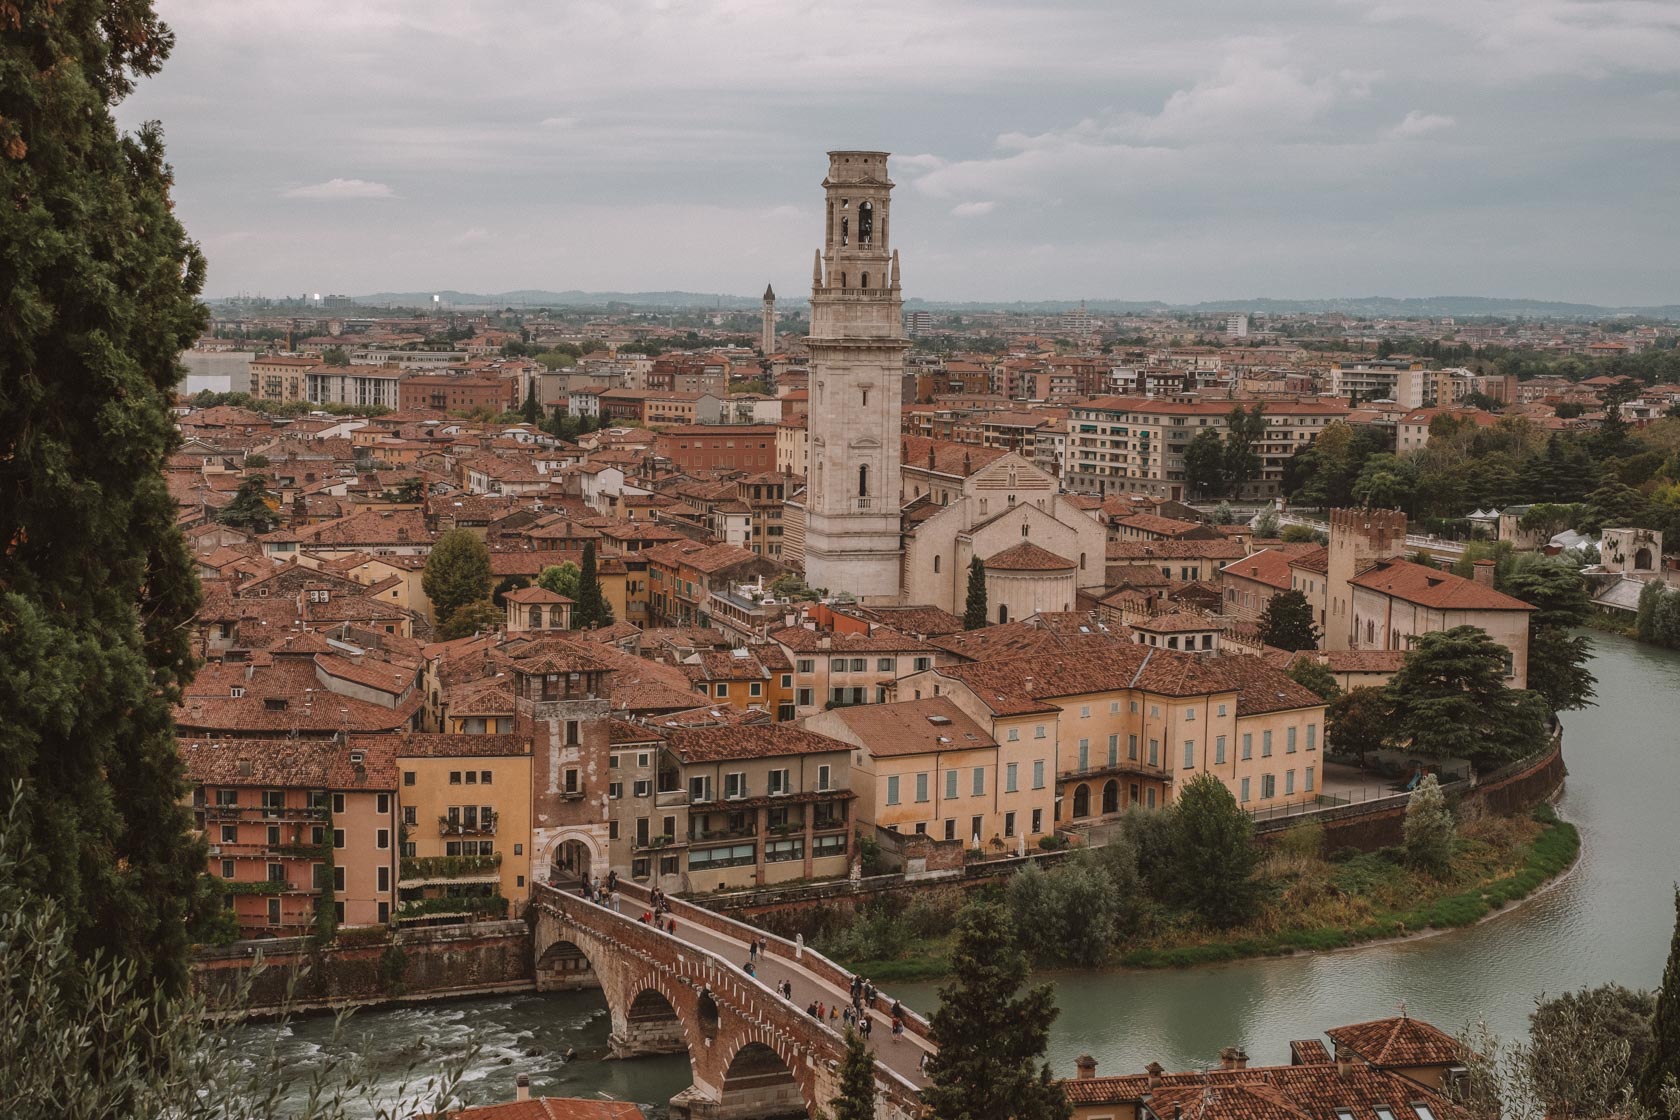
(991, 1037)
(562, 579)
(1429, 832)
(478, 617)
(98, 296)
(457, 573)
(1311, 673)
(1450, 700)
(974, 607)
(1213, 856)
(1662, 1064)
(249, 508)
(857, 1082)
(1359, 721)
(1287, 622)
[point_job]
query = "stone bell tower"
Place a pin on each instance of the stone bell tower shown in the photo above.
(857, 346)
(767, 334)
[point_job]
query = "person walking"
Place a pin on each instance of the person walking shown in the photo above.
(898, 1028)
(865, 1027)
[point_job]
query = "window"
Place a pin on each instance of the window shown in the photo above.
(472, 777)
(734, 786)
(384, 879)
(274, 911)
(729, 856)
(779, 783)
(884, 664)
(756, 688)
(227, 868)
(1084, 711)
(384, 803)
(824, 776)
(1219, 750)
(1422, 1110)
(723, 690)
(615, 790)
(923, 663)
(892, 789)
(1247, 745)
(1038, 821)
(1154, 711)
(230, 834)
(644, 788)
(979, 786)
(338, 878)
(226, 798)
(1384, 1113)
(1288, 782)
(408, 777)
(1132, 747)
(1014, 735)
(806, 665)
(1265, 744)
(484, 777)
(338, 802)
(1309, 779)
(921, 787)
(1190, 715)
(950, 784)
(1189, 753)
(1009, 824)
(410, 815)
(1289, 741)
(828, 846)
(1009, 777)
(1038, 731)
(382, 838)
(1084, 754)
(454, 777)
(805, 698)
(780, 851)
(1268, 785)
(338, 838)
(1154, 752)
(1221, 711)
(1244, 794)
(273, 800)
(1312, 736)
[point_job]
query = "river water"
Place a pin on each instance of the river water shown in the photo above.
(1610, 919)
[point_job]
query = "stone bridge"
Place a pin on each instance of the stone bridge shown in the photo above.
(754, 1054)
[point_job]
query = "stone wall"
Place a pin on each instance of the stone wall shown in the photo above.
(369, 967)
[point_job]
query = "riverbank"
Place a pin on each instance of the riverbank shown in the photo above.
(1317, 905)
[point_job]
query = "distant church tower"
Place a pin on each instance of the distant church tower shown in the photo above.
(767, 341)
(857, 347)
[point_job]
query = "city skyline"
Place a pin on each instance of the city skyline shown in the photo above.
(1046, 154)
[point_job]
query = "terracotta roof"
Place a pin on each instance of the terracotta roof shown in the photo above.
(881, 639)
(1365, 660)
(1160, 526)
(1318, 560)
(913, 727)
(1432, 587)
(718, 744)
(925, 622)
(536, 595)
(1270, 566)
(958, 459)
(1133, 551)
(1178, 622)
(1027, 557)
(418, 745)
(1400, 1041)
(294, 763)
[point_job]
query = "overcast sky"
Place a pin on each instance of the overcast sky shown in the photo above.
(1043, 149)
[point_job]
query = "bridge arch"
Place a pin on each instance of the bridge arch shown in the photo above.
(569, 855)
(652, 1022)
(766, 1076)
(563, 964)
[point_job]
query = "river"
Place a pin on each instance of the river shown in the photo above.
(1610, 919)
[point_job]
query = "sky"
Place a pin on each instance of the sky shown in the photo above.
(1042, 149)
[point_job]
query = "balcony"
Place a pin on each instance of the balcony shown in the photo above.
(670, 798)
(479, 826)
(422, 870)
(259, 813)
(740, 833)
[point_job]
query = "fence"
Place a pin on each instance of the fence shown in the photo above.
(1351, 803)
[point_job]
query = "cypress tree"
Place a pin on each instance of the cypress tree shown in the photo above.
(592, 607)
(857, 1082)
(1662, 1066)
(991, 1037)
(974, 611)
(532, 410)
(98, 296)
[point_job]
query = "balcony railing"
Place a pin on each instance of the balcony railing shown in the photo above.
(670, 798)
(449, 867)
(480, 826)
(723, 833)
(258, 812)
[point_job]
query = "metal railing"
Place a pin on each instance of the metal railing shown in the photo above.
(1350, 802)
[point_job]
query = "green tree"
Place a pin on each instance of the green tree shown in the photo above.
(532, 411)
(991, 1037)
(1428, 830)
(477, 617)
(1386, 482)
(1204, 465)
(1644, 625)
(975, 607)
(592, 608)
(335, 356)
(1244, 431)
(511, 583)
(1450, 700)
(457, 573)
(1287, 622)
(1615, 1012)
(1359, 722)
(1213, 853)
(1266, 525)
(857, 1082)
(1314, 674)
(1557, 660)
(98, 297)
(250, 509)
(1662, 1065)
(562, 579)
(1223, 514)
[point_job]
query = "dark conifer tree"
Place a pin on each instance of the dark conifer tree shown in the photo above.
(974, 610)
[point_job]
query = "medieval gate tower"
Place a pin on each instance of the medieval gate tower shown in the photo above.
(857, 347)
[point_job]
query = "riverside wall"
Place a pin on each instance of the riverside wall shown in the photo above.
(366, 967)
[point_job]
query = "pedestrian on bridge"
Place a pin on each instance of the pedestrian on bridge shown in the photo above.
(898, 1028)
(866, 1026)
(749, 969)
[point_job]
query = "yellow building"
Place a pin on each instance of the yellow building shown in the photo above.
(465, 812)
(925, 766)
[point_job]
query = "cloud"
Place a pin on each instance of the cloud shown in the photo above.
(559, 122)
(1418, 123)
(972, 209)
(334, 189)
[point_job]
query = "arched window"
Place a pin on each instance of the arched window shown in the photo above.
(866, 222)
(1003, 612)
(863, 481)
(842, 281)
(1081, 801)
(845, 231)
(1082, 561)
(864, 283)
(936, 564)
(1111, 797)
(1023, 529)
(536, 618)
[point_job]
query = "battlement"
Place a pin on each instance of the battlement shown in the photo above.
(1383, 528)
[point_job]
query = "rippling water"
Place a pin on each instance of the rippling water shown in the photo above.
(1610, 920)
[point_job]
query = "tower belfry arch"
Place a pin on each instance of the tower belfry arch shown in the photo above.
(857, 347)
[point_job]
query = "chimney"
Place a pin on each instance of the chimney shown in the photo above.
(1344, 1062)
(1228, 1058)
(1087, 1067)
(522, 1087)
(1484, 572)
(1239, 1058)
(1154, 1070)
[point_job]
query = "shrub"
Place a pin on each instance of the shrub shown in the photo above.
(1429, 831)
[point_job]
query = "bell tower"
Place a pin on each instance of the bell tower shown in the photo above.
(857, 345)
